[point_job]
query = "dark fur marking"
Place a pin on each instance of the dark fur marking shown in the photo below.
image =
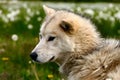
(66, 27)
(49, 21)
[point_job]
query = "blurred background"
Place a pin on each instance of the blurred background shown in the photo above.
(19, 27)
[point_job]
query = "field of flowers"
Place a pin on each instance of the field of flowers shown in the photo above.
(19, 28)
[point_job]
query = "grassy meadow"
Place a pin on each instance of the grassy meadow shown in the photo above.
(19, 28)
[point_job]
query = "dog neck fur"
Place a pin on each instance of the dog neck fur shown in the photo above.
(86, 40)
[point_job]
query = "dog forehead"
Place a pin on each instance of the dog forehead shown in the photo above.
(49, 28)
(51, 23)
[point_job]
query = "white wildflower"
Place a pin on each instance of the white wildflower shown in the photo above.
(25, 5)
(30, 62)
(27, 18)
(78, 9)
(30, 26)
(10, 8)
(112, 19)
(101, 15)
(12, 19)
(117, 8)
(12, 15)
(117, 15)
(110, 5)
(37, 12)
(2, 50)
(31, 14)
(5, 19)
(105, 9)
(62, 79)
(89, 11)
(0, 11)
(14, 37)
(39, 18)
(104, 16)
(28, 10)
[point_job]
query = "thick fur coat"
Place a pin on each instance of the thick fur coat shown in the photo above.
(74, 44)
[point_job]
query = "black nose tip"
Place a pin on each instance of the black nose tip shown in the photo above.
(34, 56)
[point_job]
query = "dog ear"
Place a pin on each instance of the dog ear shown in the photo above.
(48, 11)
(67, 27)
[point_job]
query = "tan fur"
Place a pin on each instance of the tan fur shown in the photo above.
(81, 53)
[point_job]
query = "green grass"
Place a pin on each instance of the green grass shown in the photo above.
(18, 65)
(15, 63)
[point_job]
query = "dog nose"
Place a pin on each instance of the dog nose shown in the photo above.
(34, 56)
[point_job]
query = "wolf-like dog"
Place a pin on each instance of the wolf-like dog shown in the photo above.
(74, 44)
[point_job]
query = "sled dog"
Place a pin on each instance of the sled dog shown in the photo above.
(73, 42)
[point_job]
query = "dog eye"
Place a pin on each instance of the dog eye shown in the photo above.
(51, 38)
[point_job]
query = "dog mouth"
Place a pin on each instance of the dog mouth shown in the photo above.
(52, 58)
(41, 61)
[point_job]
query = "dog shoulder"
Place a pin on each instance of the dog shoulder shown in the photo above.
(101, 62)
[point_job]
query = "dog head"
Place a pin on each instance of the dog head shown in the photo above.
(63, 33)
(55, 36)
